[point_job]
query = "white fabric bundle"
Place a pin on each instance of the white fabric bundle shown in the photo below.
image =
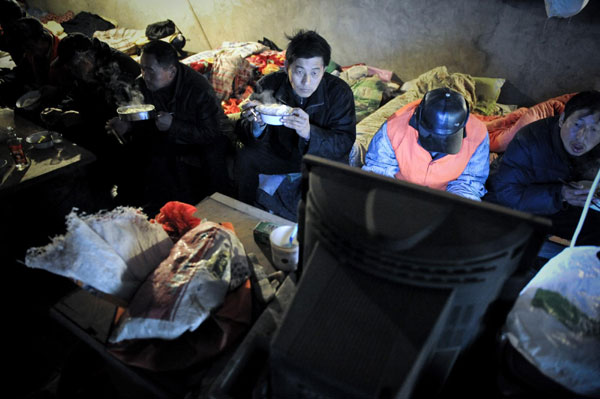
(206, 263)
(112, 251)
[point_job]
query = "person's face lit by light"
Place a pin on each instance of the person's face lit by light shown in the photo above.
(580, 132)
(305, 74)
(155, 75)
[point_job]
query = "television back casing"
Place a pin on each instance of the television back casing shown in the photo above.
(395, 281)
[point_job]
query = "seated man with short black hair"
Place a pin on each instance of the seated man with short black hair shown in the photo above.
(182, 151)
(322, 121)
(546, 166)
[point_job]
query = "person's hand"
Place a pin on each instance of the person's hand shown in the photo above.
(118, 126)
(574, 194)
(249, 113)
(299, 121)
(163, 121)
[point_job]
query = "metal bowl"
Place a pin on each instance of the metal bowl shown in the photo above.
(130, 113)
(29, 100)
(40, 140)
(57, 138)
(274, 120)
(271, 113)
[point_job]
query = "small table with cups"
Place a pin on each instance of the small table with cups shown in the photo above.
(56, 156)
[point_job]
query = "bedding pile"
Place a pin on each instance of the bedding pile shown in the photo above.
(502, 121)
(502, 128)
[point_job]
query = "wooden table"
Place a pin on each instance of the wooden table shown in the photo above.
(44, 163)
(220, 208)
(90, 317)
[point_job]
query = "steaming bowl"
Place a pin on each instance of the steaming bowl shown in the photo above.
(130, 113)
(271, 113)
(29, 100)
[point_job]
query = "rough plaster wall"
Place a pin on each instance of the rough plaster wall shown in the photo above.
(512, 39)
(136, 14)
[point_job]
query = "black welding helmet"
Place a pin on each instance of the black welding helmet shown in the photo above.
(440, 120)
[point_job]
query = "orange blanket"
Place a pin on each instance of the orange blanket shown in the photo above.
(503, 128)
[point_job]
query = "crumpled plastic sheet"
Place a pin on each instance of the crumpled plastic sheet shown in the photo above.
(568, 356)
(203, 266)
(111, 251)
(564, 8)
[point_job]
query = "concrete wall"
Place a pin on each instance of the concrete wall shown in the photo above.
(541, 57)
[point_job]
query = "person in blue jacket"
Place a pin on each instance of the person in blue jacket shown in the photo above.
(549, 165)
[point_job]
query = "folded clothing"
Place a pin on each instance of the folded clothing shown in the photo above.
(128, 41)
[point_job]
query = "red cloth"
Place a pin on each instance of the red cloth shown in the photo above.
(69, 15)
(177, 218)
(232, 105)
(268, 61)
(202, 66)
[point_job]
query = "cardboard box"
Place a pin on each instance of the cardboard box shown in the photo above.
(262, 231)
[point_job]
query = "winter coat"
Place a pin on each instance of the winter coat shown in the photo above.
(530, 175)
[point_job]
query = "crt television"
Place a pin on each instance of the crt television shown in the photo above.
(394, 282)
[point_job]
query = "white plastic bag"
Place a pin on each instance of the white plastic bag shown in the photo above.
(205, 264)
(564, 8)
(555, 322)
(111, 251)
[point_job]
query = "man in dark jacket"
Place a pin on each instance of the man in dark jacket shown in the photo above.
(322, 121)
(546, 166)
(181, 153)
(35, 48)
(96, 80)
(10, 12)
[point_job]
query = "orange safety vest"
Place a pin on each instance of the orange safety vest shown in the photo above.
(415, 162)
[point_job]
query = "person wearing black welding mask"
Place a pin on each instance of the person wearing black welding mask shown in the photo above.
(435, 143)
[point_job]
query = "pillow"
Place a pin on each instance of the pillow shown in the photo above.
(487, 91)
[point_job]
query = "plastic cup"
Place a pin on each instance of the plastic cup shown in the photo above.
(283, 252)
